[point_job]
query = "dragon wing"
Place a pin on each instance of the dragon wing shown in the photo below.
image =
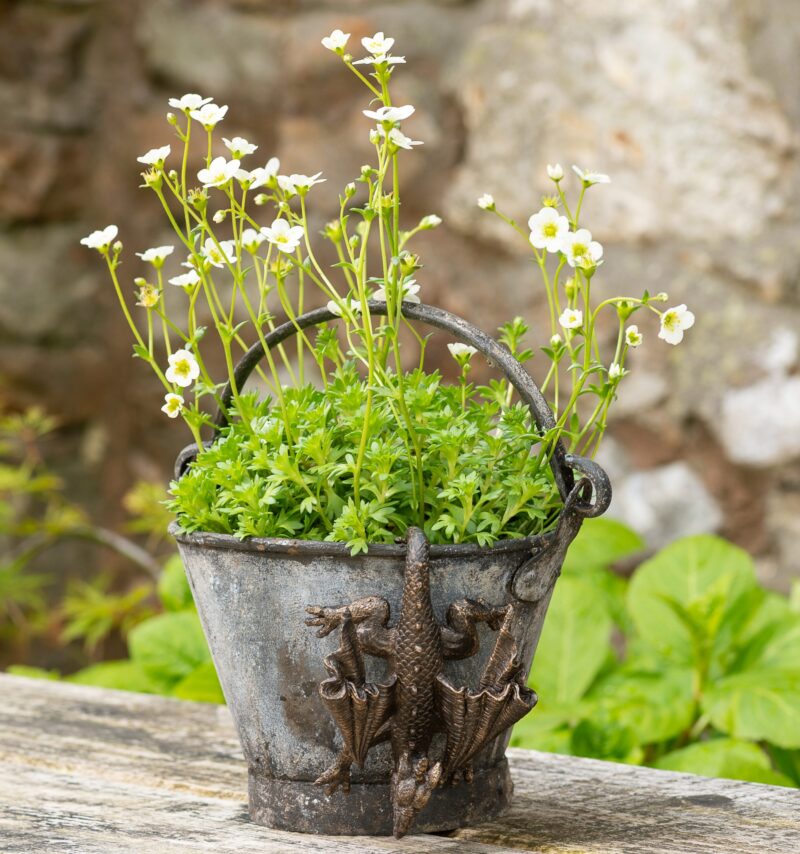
(472, 719)
(359, 708)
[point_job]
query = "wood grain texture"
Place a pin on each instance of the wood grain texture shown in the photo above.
(93, 771)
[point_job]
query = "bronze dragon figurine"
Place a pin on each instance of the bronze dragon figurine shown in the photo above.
(418, 700)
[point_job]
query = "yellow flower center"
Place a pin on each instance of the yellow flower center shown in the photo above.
(183, 368)
(579, 250)
(550, 230)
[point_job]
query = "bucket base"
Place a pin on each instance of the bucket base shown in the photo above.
(366, 810)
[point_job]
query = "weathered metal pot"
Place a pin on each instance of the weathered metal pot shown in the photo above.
(252, 597)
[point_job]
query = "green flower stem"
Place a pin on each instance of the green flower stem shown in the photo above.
(115, 280)
(164, 328)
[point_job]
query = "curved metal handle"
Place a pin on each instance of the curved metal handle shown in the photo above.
(460, 329)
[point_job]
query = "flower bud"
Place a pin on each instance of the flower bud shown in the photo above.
(172, 119)
(555, 341)
(555, 172)
(173, 175)
(333, 231)
(219, 216)
(117, 247)
(662, 297)
(261, 199)
(430, 221)
(350, 190)
(409, 264)
(570, 287)
(198, 199)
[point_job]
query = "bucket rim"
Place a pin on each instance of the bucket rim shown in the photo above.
(322, 548)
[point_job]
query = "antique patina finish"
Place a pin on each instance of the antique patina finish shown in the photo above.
(409, 732)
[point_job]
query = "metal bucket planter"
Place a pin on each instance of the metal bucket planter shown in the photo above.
(395, 714)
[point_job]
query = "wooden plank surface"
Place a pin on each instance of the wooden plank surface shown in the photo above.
(93, 771)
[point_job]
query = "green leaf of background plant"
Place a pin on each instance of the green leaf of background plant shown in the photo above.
(758, 704)
(699, 574)
(201, 685)
(655, 706)
(33, 672)
(600, 543)
(121, 675)
(173, 587)
(169, 647)
(574, 644)
(724, 757)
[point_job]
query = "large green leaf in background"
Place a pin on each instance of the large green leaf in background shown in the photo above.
(173, 588)
(122, 675)
(655, 706)
(700, 579)
(724, 757)
(600, 543)
(169, 647)
(758, 704)
(574, 644)
(200, 685)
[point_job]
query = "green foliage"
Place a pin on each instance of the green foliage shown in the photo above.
(691, 666)
(481, 481)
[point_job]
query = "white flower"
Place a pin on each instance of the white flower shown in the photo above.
(548, 229)
(590, 178)
(296, 183)
(673, 322)
(252, 239)
(217, 257)
(616, 371)
(101, 239)
(261, 175)
(555, 173)
(381, 59)
(398, 138)
(219, 172)
(461, 352)
(410, 291)
(486, 202)
(173, 404)
(239, 146)
(390, 114)
(189, 102)
(148, 295)
(378, 44)
(156, 255)
(156, 156)
(336, 41)
(183, 369)
(286, 237)
(430, 221)
(185, 279)
(571, 318)
(633, 337)
(580, 249)
(347, 305)
(209, 115)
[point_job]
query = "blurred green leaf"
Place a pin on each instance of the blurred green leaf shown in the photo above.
(121, 675)
(33, 672)
(758, 704)
(574, 644)
(169, 647)
(655, 706)
(724, 757)
(600, 543)
(697, 581)
(173, 586)
(200, 685)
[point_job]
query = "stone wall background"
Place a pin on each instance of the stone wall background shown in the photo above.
(693, 107)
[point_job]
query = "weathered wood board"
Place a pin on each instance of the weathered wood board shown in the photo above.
(90, 771)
